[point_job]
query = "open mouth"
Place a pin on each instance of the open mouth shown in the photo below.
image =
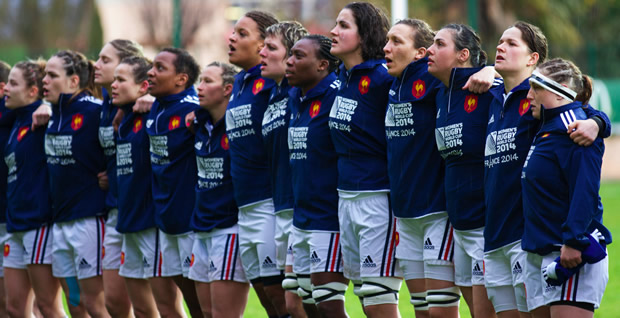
(231, 49)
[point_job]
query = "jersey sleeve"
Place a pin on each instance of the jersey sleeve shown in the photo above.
(582, 169)
(591, 112)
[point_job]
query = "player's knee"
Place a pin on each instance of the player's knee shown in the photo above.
(328, 292)
(444, 297)
(305, 289)
(290, 282)
(380, 290)
(418, 300)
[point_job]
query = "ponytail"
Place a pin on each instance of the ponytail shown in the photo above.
(585, 95)
(75, 63)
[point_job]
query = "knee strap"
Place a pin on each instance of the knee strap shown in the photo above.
(290, 282)
(305, 289)
(418, 300)
(380, 290)
(328, 292)
(445, 297)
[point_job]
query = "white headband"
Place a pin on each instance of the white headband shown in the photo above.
(552, 86)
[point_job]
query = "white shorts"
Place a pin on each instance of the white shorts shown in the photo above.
(586, 286)
(429, 238)
(215, 256)
(138, 257)
(284, 225)
(112, 242)
(257, 245)
(28, 248)
(505, 266)
(4, 236)
(316, 252)
(469, 257)
(175, 254)
(368, 235)
(77, 247)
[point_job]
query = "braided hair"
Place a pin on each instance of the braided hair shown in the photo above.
(75, 63)
(33, 73)
(567, 73)
(228, 72)
(263, 21)
(126, 48)
(139, 67)
(323, 50)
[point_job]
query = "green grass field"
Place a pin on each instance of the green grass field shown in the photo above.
(610, 193)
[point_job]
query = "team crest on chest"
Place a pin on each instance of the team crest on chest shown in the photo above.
(77, 121)
(137, 124)
(22, 132)
(419, 88)
(471, 102)
(174, 123)
(524, 106)
(224, 142)
(364, 84)
(315, 108)
(258, 86)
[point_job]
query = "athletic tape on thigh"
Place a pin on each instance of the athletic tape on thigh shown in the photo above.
(328, 292)
(380, 290)
(74, 290)
(290, 282)
(418, 300)
(444, 297)
(305, 289)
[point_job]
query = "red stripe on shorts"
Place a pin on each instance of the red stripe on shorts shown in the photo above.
(569, 287)
(230, 253)
(449, 246)
(335, 253)
(391, 253)
(37, 260)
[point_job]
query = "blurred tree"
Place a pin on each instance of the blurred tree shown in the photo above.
(44, 26)
(157, 18)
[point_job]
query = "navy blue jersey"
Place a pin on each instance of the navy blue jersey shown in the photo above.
(510, 132)
(358, 129)
(107, 138)
(415, 168)
(28, 189)
(313, 158)
(215, 206)
(7, 117)
(75, 157)
(460, 133)
(275, 135)
(172, 160)
(244, 118)
(136, 211)
(560, 183)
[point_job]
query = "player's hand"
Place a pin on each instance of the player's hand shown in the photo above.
(143, 104)
(104, 183)
(41, 116)
(481, 81)
(569, 257)
(583, 132)
(118, 118)
(189, 121)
